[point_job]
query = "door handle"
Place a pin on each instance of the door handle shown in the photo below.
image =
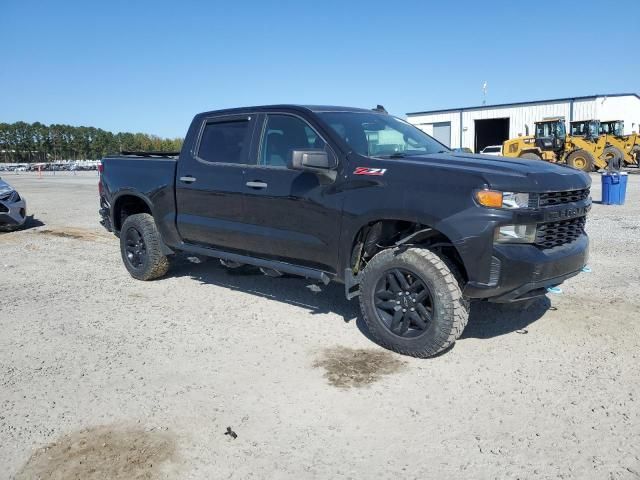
(188, 179)
(256, 185)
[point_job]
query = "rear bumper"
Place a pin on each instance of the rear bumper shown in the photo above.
(105, 215)
(525, 271)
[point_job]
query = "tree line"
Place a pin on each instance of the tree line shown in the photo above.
(36, 142)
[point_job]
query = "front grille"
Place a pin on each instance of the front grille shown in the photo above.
(549, 235)
(558, 198)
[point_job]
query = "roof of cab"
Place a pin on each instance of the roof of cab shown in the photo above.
(294, 107)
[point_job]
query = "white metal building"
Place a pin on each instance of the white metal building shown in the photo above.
(477, 127)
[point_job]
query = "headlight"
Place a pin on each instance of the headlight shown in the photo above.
(515, 200)
(516, 234)
(495, 199)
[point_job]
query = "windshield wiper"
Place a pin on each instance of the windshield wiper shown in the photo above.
(397, 155)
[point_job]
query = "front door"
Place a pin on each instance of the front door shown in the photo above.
(292, 215)
(209, 183)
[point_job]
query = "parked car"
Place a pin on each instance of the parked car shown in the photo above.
(13, 208)
(492, 150)
(357, 197)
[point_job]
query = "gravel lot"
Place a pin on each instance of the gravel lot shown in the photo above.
(102, 376)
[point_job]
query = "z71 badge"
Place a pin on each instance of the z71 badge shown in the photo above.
(369, 171)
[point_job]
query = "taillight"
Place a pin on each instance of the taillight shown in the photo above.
(100, 170)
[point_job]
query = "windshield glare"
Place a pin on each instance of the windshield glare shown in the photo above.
(380, 135)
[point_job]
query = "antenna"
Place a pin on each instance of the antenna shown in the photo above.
(485, 88)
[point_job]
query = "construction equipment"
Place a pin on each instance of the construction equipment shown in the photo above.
(629, 145)
(551, 143)
(592, 130)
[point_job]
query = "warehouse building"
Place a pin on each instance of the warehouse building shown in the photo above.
(478, 127)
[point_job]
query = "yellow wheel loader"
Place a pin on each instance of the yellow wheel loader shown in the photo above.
(551, 143)
(611, 154)
(629, 145)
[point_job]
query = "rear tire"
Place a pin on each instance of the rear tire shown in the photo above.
(581, 160)
(141, 248)
(530, 156)
(614, 157)
(386, 302)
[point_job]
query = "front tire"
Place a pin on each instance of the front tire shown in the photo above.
(581, 160)
(411, 302)
(141, 248)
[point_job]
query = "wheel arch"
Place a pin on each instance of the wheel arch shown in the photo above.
(128, 203)
(388, 232)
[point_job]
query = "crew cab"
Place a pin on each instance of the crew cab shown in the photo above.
(357, 197)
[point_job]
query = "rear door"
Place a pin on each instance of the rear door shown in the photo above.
(209, 183)
(291, 215)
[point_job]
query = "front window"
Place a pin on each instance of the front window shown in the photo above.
(379, 135)
(282, 135)
(550, 129)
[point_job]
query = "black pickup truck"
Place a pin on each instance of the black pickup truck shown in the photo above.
(358, 197)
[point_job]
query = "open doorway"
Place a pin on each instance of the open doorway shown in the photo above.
(493, 131)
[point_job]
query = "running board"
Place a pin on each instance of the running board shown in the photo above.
(306, 272)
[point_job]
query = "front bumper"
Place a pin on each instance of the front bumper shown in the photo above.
(521, 272)
(13, 214)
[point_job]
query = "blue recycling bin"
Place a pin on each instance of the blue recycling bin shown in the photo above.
(614, 188)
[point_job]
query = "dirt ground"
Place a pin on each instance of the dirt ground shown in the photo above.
(207, 374)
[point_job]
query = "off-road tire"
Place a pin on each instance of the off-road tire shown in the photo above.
(581, 160)
(530, 156)
(613, 155)
(155, 263)
(450, 312)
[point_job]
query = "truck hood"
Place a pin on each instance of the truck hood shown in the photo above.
(504, 173)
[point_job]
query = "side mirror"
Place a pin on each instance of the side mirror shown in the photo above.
(315, 160)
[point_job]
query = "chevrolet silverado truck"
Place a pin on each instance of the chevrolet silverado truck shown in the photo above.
(357, 197)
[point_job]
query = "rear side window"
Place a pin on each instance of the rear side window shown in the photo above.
(224, 142)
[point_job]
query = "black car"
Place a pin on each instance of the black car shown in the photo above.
(358, 197)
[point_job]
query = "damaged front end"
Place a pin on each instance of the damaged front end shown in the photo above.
(13, 208)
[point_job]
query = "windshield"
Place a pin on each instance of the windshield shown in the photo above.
(379, 135)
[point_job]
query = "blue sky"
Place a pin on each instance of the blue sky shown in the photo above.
(149, 66)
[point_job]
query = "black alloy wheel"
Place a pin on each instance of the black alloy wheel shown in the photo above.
(135, 248)
(403, 303)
